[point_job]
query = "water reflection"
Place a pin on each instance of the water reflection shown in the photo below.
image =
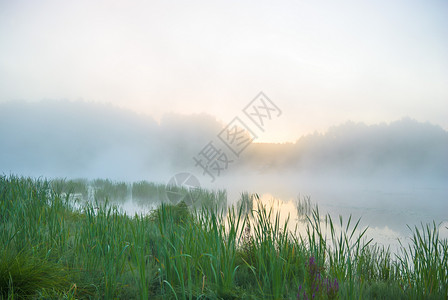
(386, 212)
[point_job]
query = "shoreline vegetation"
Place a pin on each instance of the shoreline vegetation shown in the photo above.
(52, 248)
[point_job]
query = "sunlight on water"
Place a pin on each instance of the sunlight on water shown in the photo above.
(386, 213)
(297, 222)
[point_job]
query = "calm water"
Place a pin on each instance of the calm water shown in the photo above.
(387, 208)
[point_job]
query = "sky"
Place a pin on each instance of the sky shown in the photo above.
(321, 62)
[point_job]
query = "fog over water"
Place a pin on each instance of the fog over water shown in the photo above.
(390, 175)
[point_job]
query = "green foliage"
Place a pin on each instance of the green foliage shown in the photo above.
(144, 191)
(108, 190)
(24, 274)
(73, 186)
(51, 249)
(423, 264)
(179, 214)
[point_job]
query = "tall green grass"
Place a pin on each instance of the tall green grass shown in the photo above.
(144, 191)
(73, 186)
(107, 189)
(52, 249)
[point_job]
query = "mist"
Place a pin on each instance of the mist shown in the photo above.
(74, 139)
(80, 139)
(152, 145)
(389, 175)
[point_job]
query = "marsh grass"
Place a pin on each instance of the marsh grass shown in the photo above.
(51, 249)
(108, 190)
(246, 203)
(304, 207)
(25, 273)
(144, 191)
(73, 186)
(423, 263)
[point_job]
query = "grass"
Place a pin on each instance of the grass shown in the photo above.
(148, 191)
(23, 273)
(73, 186)
(107, 189)
(52, 249)
(304, 207)
(144, 192)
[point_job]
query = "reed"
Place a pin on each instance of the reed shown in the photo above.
(53, 249)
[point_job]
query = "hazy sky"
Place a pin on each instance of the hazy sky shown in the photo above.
(321, 62)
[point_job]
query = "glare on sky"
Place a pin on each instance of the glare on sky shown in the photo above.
(322, 62)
